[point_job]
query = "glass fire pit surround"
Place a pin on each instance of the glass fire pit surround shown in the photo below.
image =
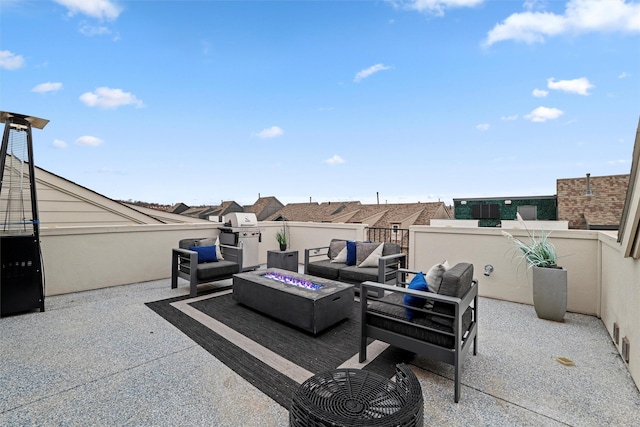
(293, 281)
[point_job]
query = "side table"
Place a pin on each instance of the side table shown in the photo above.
(284, 260)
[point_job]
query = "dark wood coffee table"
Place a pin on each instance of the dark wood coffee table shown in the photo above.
(312, 310)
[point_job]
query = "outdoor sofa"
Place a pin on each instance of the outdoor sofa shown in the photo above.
(355, 262)
(203, 260)
(443, 329)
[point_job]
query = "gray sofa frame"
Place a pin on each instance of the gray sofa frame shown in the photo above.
(184, 264)
(444, 330)
(388, 265)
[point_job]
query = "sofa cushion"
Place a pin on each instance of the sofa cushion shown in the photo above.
(355, 274)
(335, 247)
(351, 252)
(186, 243)
(407, 329)
(434, 275)
(373, 260)
(205, 253)
(418, 283)
(342, 256)
(365, 249)
(390, 249)
(456, 282)
(216, 270)
(325, 269)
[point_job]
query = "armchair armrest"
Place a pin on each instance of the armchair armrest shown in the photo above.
(389, 264)
(312, 253)
(232, 253)
(184, 263)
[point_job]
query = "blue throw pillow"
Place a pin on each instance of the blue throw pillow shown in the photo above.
(205, 253)
(351, 253)
(418, 283)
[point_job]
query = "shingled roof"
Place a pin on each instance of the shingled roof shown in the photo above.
(375, 215)
(264, 207)
(313, 211)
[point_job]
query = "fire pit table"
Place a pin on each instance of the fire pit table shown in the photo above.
(307, 302)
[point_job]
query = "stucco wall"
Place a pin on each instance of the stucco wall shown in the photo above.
(84, 258)
(578, 251)
(621, 298)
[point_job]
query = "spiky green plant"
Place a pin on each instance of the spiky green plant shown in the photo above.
(281, 235)
(540, 252)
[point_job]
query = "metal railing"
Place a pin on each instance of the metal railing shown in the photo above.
(399, 236)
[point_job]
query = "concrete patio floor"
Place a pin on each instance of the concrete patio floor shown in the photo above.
(103, 358)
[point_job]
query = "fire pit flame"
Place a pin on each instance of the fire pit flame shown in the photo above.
(293, 281)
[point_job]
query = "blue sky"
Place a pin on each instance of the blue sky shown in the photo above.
(410, 100)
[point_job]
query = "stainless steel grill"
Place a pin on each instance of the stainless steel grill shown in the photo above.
(241, 230)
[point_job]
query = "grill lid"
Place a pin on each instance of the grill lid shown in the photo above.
(241, 219)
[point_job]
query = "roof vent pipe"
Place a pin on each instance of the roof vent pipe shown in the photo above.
(588, 192)
(378, 197)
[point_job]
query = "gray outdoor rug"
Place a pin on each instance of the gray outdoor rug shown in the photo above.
(273, 356)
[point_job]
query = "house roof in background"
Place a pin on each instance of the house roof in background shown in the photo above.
(375, 215)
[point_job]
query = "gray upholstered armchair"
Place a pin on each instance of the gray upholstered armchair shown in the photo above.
(185, 264)
(443, 329)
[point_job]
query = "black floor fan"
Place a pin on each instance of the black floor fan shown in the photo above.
(21, 281)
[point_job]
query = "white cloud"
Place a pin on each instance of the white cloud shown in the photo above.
(105, 97)
(533, 4)
(542, 114)
(58, 143)
(100, 9)
(10, 61)
(93, 30)
(89, 141)
(369, 71)
(271, 132)
(434, 7)
(580, 86)
(335, 160)
(483, 126)
(539, 93)
(509, 118)
(624, 75)
(580, 16)
(47, 87)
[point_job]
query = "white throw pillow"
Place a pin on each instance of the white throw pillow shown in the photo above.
(341, 257)
(434, 276)
(373, 259)
(218, 251)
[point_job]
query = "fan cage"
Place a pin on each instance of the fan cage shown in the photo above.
(354, 397)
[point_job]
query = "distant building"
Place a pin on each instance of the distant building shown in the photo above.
(491, 211)
(592, 202)
(587, 203)
(264, 207)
